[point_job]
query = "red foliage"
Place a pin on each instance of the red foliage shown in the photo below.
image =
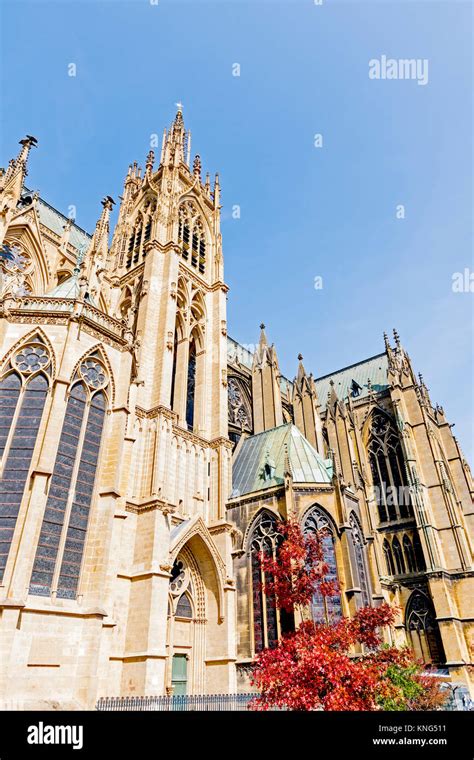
(316, 667)
(298, 571)
(313, 669)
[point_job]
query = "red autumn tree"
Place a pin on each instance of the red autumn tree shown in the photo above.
(339, 665)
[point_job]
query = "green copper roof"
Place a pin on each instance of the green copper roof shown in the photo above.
(69, 289)
(260, 462)
(373, 369)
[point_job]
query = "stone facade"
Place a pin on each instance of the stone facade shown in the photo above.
(129, 424)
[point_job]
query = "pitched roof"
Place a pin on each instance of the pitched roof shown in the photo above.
(260, 461)
(55, 221)
(373, 369)
(69, 288)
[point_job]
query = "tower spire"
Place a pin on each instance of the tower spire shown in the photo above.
(306, 407)
(19, 164)
(96, 256)
(11, 183)
(176, 141)
(266, 392)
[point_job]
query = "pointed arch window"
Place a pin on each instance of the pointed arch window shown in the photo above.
(191, 237)
(138, 241)
(131, 246)
(419, 556)
(62, 538)
(181, 591)
(191, 385)
(184, 608)
(360, 561)
(23, 392)
(409, 554)
(387, 550)
(147, 229)
(388, 470)
(325, 609)
(265, 541)
(239, 406)
(423, 629)
(398, 556)
(173, 371)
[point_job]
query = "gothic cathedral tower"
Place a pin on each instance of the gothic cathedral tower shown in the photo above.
(166, 281)
(115, 553)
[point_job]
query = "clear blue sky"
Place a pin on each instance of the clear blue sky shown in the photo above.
(304, 211)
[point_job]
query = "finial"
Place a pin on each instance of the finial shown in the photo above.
(262, 326)
(197, 166)
(150, 160)
(300, 357)
(386, 341)
(178, 120)
(396, 337)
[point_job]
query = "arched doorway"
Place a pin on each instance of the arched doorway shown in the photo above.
(186, 616)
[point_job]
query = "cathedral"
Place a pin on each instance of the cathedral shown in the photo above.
(146, 458)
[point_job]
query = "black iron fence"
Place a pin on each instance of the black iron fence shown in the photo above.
(178, 702)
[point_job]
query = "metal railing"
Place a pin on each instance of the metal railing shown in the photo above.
(178, 702)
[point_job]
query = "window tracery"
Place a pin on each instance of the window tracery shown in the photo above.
(63, 533)
(23, 390)
(388, 470)
(265, 540)
(423, 628)
(239, 412)
(360, 561)
(325, 609)
(191, 236)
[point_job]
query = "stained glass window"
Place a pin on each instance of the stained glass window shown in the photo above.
(184, 608)
(18, 459)
(48, 545)
(63, 532)
(93, 373)
(423, 628)
(239, 411)
(360, 561)
(265, 540)
(325, 609)
(79, 517)
(31, 359)
(9, 393)
(191, 385)
(257, 601)
(388, 470)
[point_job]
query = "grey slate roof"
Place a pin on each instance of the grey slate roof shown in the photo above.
(375, 368)
(55, 221)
